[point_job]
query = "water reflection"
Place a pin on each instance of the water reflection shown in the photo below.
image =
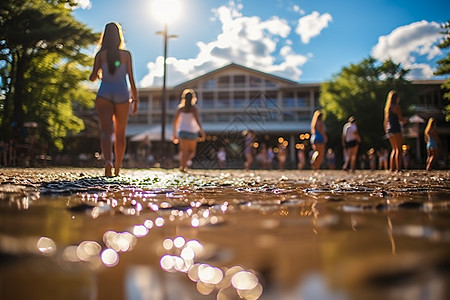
(249, 236)
(184, 257)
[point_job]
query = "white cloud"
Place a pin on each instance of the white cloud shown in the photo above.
(297, 9)
(311, 25)
(407, 44)
(244, 40)
(83, 4)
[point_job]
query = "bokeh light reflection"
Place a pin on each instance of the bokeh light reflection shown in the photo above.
(46, 246)
(88, 250)
(140, 230)
(110, 258)
(244, 280)
(234, 282)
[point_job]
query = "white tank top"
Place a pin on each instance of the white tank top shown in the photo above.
(188, 123)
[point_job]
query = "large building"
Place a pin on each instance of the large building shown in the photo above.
(235, 98)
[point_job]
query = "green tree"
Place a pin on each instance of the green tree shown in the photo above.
(360, 90)
(444, 64)
(43, 66)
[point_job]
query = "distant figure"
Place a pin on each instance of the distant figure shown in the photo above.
(432, 140)
(372, 159)
(331, 159)
(270, 157)
(301, 157)
(405, 157)
(221, 157)
(383, 157)
(262, 157)
(392, 125)
(187, 127)
(112, 64)
(362, 161)
(249, 139)
(318, 139)
(350, 142)
(282, 153)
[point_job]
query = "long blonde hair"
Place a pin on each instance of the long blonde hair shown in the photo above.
(392, 98)
(317, 115)
(431, 123)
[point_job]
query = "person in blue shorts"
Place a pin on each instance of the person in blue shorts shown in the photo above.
(432, 139)
(112, 65)
(318, 139)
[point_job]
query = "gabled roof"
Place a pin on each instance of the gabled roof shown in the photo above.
(237, 66)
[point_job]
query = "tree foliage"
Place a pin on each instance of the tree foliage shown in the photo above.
(360, 90)
(43, 67)
(444, 64)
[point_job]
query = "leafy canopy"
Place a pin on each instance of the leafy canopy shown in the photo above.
(360, 90)
(43, 67)
(444, 64)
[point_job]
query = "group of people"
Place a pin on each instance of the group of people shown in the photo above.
(113, 64)
(392, 124)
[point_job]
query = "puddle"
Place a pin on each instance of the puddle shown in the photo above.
(154, 234)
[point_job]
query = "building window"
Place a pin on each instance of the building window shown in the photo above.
(304, 115)
(302, 100)
(239, 81)
(208, 117)
(223, 117)
(208, 100)
(289, 116)
(173, 102)
(288, 99)
(224, 100)
(156, 103)
(256, 99)
(255, 81)
(271, 99)
(144, 103)
(209, 84)
(270, 83)
(224, 81)
(239, 100)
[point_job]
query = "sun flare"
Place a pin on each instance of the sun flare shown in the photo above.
(166, 11)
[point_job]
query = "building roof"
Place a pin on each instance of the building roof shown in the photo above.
(235, 66)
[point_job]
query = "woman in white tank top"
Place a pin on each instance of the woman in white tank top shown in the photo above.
(187, 127)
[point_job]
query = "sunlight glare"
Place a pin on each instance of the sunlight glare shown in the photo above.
(166, 11)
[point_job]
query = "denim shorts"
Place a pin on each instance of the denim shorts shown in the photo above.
(187, 135)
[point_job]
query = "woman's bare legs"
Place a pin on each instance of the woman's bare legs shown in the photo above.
(432, 154)
(187, 152)
(120, 124)
(396, 144)
(317, 162)
(113, 120)
(352, 153)
(105, 112)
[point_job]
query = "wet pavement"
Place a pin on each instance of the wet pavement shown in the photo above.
(224, 234)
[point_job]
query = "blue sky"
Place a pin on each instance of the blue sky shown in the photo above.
(304, 41)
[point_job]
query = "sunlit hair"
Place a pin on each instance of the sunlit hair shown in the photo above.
(431, 123)
(112, 41)
(316, 116)
(392, 98)
(188, 98)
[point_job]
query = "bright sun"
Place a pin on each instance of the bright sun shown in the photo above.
(166, 11)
